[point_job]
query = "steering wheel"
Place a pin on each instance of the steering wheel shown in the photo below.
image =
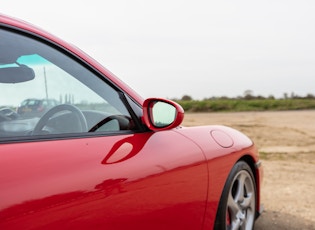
(82, 125)
(124, 122)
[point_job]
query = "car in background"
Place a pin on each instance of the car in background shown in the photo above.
(106, 158)
(36, 107)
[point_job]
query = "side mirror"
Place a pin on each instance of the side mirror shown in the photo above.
(16, 74)
(162, 114)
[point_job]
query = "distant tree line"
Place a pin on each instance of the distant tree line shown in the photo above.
(248, 102)
(248, 95)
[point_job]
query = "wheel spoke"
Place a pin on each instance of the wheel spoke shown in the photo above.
(233, 205)
(240, 188)
(235, 224)
(246, 201)
(244, 225)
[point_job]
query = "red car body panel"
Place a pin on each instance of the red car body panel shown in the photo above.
(90, 183)
(99, 182)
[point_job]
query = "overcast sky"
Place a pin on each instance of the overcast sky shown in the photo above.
(199, 48)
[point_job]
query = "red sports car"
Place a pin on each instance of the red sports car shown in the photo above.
(105, 158)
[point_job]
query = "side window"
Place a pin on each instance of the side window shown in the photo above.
(43, 91)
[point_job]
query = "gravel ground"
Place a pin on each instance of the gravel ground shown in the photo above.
(286, 142)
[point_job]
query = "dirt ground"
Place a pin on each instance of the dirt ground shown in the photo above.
(286, 142)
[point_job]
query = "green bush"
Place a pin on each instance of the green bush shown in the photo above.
(235, 105)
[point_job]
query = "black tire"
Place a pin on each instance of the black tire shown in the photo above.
(237, 207)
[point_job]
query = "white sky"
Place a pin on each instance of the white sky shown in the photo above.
(200, 48)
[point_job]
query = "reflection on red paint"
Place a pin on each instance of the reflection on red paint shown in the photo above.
(125, 149)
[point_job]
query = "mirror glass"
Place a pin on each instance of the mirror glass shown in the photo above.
(163, 114)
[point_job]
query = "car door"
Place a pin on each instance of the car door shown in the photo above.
(88, 162)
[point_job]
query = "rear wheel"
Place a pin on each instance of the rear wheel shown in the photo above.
(237, 207)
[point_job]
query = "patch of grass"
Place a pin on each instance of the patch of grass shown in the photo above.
(283, 156)
(263, 155)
